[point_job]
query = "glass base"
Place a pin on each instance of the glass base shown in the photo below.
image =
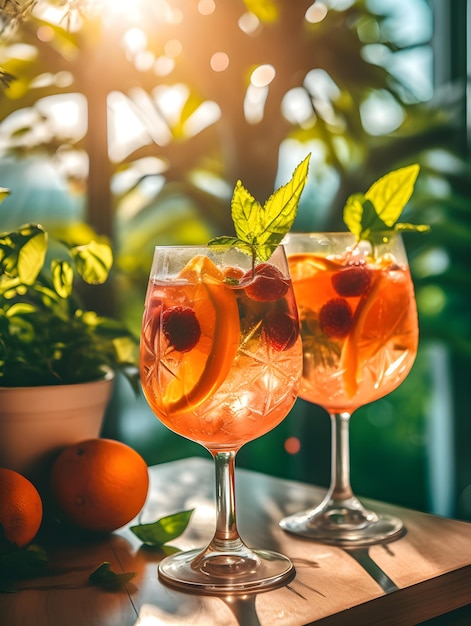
(222, 573)
(345, 523)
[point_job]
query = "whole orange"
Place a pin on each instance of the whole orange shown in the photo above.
(21, 508)
(99, 485)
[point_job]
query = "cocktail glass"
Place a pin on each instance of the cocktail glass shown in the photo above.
(359, 331)
(221, 363)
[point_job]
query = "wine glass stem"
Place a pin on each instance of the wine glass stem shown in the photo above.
(226, 536)
(340, 488)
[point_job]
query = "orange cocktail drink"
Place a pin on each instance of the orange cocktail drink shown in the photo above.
(359, 332)
(220, 349)
(221, 363)
(359, 326)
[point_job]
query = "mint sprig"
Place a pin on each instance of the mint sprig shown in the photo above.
(259, 229)
(369, 215)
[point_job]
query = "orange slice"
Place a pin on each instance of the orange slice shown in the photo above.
(311, 279)
(376, 320)
(201, 268)
(349, 359)
(303, 265)
(202, 370)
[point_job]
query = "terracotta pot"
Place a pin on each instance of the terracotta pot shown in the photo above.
(37, 422)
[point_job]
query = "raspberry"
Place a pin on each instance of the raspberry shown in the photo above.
(335, 318)
(181, 328)
(352, 281)
(267, 285)
(281, 330)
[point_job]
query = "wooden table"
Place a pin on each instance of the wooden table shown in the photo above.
(422, 575)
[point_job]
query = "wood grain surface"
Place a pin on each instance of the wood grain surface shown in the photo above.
(424, 574)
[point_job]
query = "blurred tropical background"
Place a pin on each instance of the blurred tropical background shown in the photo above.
(133, 121)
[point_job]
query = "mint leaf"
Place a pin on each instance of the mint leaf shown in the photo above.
(246, 214)
(281, 207)
(105, 578)
(390, 194)
(224, 241)
(232, 241)
(19, 564)
(158, 533)
(379, 209)
(361, 217)
(259, 229)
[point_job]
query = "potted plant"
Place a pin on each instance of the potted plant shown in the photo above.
(58, 360)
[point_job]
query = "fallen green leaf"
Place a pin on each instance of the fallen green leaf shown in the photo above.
(158, 533)
(105, 578)
(19, 564)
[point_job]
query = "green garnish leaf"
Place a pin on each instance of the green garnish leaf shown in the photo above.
(379, 209)
(225, 241)
(259, 229)
(158, 533)
(105, 578)
(392, 192)
(361, 217)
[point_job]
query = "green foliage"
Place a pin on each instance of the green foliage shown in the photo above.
(259, 229)
(46, 337)
(379, 209)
